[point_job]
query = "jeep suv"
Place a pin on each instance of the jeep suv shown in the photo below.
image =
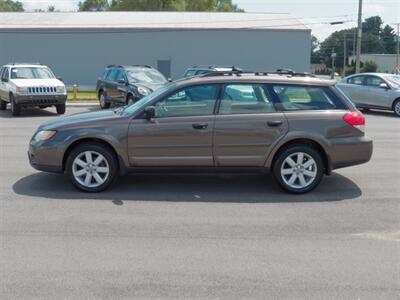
(28, 85)
(125, 85)
(298, 127)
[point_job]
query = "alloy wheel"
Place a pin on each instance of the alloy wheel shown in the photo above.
(299, 170)
(90, 169)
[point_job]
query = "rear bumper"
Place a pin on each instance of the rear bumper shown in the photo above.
(35, 100)
(347, 152)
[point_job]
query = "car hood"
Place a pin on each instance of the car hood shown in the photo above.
(37, 82)
(80, 119)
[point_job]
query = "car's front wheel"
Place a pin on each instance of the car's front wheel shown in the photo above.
(92, 167)
(103, 101)
(3, 105)
(298, 169)
(15, 108)
(60, 109)
(396, 107)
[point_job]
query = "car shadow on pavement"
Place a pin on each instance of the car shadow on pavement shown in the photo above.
(242, 188)
(383, 113)
(30, 113)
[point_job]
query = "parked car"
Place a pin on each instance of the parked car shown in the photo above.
(199, 70)
(28, 85)
(298, 127)
(125, 85)
(373, 91)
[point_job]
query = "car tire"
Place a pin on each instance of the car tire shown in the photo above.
(61, 109)
(3, 105)
(85, 173)
(103, 101)
(396, 107)
(298, 169)
(130, 99)
(15, 108)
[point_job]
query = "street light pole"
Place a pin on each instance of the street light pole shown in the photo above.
(344, 56)
(398, 47)
(359, 33)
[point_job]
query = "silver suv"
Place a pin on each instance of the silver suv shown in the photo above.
(27, 85)
(298, 127)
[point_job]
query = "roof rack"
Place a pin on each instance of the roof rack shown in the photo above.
(239, 72)
(210, 67)
(24, 63)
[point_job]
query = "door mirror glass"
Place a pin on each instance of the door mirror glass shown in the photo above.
(384, 85)
(150, 112)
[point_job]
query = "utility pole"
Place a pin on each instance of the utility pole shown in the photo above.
(397, 70)
(359, 33)
(333, 56)
(344, 55)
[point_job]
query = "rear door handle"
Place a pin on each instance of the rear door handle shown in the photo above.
(274, 123)
(200, 126)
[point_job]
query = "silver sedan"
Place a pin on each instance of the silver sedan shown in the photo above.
(373, 90)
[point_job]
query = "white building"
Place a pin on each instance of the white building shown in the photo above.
(386, 62)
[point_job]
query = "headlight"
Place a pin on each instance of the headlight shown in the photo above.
(21, 90)
(143, 91)
(44, 135)
(61, 89)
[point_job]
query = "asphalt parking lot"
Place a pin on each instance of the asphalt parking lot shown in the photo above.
(201, 236)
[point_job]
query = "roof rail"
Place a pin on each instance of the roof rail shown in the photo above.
(23, 63)
(239, 72)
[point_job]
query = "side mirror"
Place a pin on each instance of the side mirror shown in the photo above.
(384, 86)
(150, 112)
(60, 78)
(4, 79)
(122, 81)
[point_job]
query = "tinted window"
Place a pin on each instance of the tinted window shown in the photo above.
(296, 97)
(245, 99)
(356, 80)
(191, 101)
(373, 81)
(112, 74)
(105, 73)
(5, 74)
(120, 76)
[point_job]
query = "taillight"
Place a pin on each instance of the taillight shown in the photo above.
(355, 119)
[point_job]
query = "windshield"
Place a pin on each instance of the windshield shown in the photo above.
(31, 73)
(145, 100)
(145, 76)
(394, 80)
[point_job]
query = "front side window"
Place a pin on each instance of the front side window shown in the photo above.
(191, 101)
(373, 81)
(120, 76)
(359, 80)
(297, 97)
(112, 75)
(246, 99)
(31, 73)
(5, 74)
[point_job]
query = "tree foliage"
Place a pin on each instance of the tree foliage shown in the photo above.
(174, 5)
(93, 5)
(9, 5)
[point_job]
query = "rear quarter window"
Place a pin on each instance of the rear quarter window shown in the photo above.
(298, 97)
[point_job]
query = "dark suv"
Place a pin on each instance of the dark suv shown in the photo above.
(298, 127)
(125, 85)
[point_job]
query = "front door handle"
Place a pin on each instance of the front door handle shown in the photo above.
(274, 123)
(200, 126)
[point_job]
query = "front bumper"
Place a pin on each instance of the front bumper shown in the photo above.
(347, 152)
(35, 100)
(45, 159)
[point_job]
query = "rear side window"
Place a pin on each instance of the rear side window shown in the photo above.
(245, 99)
(297, 97)
(359, 80)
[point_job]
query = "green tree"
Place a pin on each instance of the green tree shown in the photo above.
(9, 5)
(315, 53)
(369, 66)
(51, 8)
(372, 25)
(93, 5)
(388, 37)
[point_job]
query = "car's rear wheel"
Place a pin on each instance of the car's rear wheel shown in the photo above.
(396, 107)
(103, 101)
(92, 167)
(60, 109)
(15, 108)
(3, 105)
(298, 169)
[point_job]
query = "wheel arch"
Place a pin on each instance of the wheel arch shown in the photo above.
(394, 102)
(307, 142)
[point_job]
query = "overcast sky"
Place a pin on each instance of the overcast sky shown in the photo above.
(314, 13)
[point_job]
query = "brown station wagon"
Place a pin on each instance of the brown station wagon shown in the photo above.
(296, 126)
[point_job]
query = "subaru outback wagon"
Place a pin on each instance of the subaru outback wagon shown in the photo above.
(298, 127)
